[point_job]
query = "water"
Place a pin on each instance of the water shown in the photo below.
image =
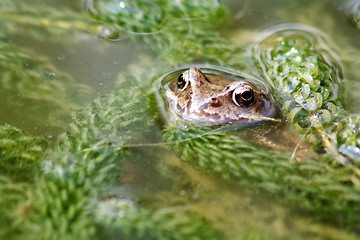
(155, 176)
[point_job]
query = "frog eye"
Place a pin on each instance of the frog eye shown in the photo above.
(243, 96)
(182, 83)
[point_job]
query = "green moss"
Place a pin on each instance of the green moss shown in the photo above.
(12, 193)
(133, 16)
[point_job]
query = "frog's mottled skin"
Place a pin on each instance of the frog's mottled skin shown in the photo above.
(209, 100)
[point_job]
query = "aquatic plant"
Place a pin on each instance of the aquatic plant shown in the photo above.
(317, 187)
(40, 21)
(86, 158)
(121, 217)
(307, 77)
(156, 16)
(65, 200)
(344, 139)
(89, 157)
(35, 87)
(187, 32)
(21, 155)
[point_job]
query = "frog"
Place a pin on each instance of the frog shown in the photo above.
(215, 100)
(222, 100)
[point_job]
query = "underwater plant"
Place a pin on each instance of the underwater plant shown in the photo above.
(60, 194)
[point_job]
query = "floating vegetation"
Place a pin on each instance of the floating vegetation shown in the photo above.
(344, 137)
(309, 77)
(305, 73)
(133, 16)
(55, 191)
(310, 185)
(118, 17)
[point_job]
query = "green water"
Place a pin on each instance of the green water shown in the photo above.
(87, 66)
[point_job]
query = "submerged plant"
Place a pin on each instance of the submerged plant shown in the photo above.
(317, 187)
(40, 21)
(65, 199)
(35, 88)
(121, 217)
(21, 155)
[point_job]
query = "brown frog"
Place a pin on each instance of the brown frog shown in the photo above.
(229, 101)
(209, 100)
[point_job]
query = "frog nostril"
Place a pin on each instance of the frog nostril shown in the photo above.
(215, 103)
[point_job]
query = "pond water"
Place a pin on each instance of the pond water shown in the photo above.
(95, 62)
(77, 66)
